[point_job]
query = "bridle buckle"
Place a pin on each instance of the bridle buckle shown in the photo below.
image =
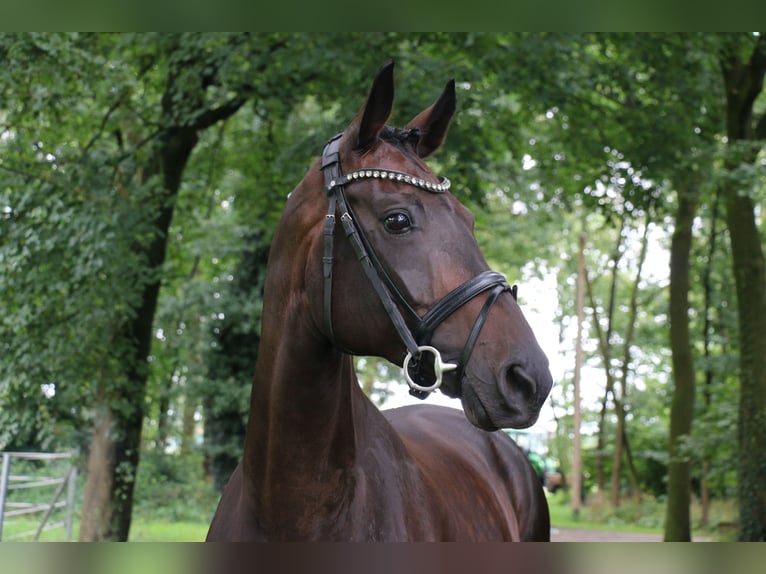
(440, 367)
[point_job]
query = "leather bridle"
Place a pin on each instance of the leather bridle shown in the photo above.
(417, 341)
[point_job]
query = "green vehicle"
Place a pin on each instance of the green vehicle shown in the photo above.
(545, 467)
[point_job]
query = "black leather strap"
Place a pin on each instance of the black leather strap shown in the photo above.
(327, 260)
(331, 168)
(477, 327)
(456, 299)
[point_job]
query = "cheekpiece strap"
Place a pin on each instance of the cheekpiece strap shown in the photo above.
(331, 168)
(330, 165)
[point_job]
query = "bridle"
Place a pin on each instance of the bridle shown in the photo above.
(417, 341)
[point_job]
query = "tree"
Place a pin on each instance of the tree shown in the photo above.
(191, 69)
(59, 238)
(743, 64)
(606, 89)
(677, 523)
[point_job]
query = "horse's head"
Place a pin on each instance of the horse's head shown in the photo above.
(426, 281)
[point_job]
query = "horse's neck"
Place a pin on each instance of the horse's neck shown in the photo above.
(307, 422)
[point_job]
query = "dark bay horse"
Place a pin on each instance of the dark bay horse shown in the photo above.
(373, 256)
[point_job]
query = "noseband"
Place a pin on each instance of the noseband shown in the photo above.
(417, 341)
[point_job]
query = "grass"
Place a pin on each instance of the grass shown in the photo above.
(647, 517)
(145, 531)
(596, 518)
(141, 530)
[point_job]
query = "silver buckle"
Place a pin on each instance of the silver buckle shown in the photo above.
(440, 368)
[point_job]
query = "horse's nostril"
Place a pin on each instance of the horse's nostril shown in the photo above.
(521, 381)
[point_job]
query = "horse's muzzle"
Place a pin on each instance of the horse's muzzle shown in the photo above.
(525, 389)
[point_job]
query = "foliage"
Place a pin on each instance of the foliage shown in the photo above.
(377, 378)
(174, 488)
(225, 392)
(66, 271)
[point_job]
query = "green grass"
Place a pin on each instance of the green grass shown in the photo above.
(14, 528)
(647, 516)
(185, 531)
(562, 517)
(141, 531)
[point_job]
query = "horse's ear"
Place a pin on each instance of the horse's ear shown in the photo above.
(373, 116)
(434, 121)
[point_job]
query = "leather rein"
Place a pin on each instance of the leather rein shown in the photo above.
(417, 341)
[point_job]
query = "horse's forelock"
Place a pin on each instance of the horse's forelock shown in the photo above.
(405, 139)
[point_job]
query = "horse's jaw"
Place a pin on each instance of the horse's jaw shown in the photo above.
(490, 420)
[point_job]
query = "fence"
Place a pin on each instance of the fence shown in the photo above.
(10, 482)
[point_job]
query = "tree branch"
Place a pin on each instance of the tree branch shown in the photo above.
(760, 128)
(744, 83)
(117, 103)
(213, 116)
(757, 69)
(143, 69)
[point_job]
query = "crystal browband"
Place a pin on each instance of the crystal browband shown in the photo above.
(441, 187)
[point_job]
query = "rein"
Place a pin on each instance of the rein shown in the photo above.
(416, 341)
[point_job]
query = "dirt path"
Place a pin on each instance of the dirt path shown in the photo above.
(584, 535)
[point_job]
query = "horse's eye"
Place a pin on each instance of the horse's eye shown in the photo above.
(397, 223)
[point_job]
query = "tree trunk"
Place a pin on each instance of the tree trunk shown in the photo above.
(620, 441)
(706, 338)
(632, 472)
(609, 389)
(677, 521)
(748, 266)
(185, 113)
(614, 491)
(95, 524)
(604, 346)
(113, 461)
(744, 83)
(600, 444)
(577, 490)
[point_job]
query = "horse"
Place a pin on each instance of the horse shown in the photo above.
(374, 256)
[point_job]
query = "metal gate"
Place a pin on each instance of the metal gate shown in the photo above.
(59, 500)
